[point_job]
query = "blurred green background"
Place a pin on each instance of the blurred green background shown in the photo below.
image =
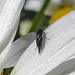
(38, 14)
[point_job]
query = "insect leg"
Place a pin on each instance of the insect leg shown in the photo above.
(44, 35)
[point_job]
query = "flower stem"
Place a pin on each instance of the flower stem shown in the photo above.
(38, 16)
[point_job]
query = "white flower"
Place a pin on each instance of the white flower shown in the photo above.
(9, 18)
(57, 57)
(59, 49)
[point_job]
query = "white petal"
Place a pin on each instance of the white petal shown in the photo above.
(11, 40)
(12, 53)
(64, 68)
(57, 50)
(10, 11)
(73, 73)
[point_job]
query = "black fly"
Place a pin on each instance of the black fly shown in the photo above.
(39, 39)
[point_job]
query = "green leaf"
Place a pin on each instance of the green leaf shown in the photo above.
(7, 71)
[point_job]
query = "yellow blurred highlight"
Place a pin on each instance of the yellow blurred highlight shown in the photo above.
(0, 74)
(59, 13)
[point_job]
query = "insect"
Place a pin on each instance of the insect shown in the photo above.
(39, 39)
